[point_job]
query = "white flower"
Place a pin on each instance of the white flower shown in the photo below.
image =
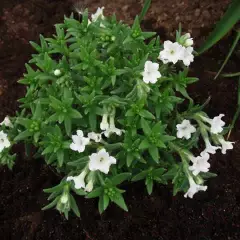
(151, 73)
(57, 72)
(79, 142)
(172, 52)
(112, 129)
(185, 129)
(97, 137)
(101, 161)
(200, 163)
(78, 180)
(194, 188)
(99, 13)
(187, 56)
(4, 142)
(89, 186)
(216, 123)
(104, 124)
(188, 41)
(210, 148)
(226, 145)
(6, 122)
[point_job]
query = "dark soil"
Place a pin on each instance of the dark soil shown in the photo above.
(214, 214)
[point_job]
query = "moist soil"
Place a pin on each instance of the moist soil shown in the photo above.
(214, 214)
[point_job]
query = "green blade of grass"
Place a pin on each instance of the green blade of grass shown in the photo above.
(229, 75)
(237, 113)
(144, 10)
(230, 53)
(229, 19)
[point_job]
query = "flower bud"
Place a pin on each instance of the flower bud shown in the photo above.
(57, 72)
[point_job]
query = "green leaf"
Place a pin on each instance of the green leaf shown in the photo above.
(146, 114)
(105, 202)
(75, 114)
(153, 151)
(130, 159)
(38, 112)
(130, 113)
(118, 179)
(22, 135)
(60, 157)
(36, 46)
(119, 200)
(180, 182)
(169, 175)
(144, 144)
(80, 163)
(147, 35)
(68, 125)
(52, 204)
(136, 24)
(59, 187)
(79, 192)
(145, 126)
(158, 127)
(55, 103)
(93, 120)
(149, 185)
(36, 137)
(24, 122)
(101, 205)
(230, 18)
(74, 206)
(229, 54)
(95, 193)
(145, 9)
(140, 176)
(158, 172)
(208, 175)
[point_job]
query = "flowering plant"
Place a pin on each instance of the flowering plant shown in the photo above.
(102, 107)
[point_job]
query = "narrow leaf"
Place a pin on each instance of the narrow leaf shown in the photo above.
(230, 18)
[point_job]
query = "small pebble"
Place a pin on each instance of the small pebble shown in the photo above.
(197, 12)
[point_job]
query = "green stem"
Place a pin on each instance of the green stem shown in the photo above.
(231, 75)
(113, 146)
(237, 113)
(229, 54)
(100, 178)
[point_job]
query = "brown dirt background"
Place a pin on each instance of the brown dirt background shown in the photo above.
(212, 215)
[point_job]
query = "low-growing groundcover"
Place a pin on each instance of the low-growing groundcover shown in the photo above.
(101, 107)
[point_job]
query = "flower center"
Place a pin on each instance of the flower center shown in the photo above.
(172, 52)
(101, 159)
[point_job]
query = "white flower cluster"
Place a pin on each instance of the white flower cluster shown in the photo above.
(172, 52)
(200, 163)
(98, 161)
(4, 142)
(101, 160)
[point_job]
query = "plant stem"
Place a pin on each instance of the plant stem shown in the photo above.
(229, 54)
(236, 115)
(231, 75)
